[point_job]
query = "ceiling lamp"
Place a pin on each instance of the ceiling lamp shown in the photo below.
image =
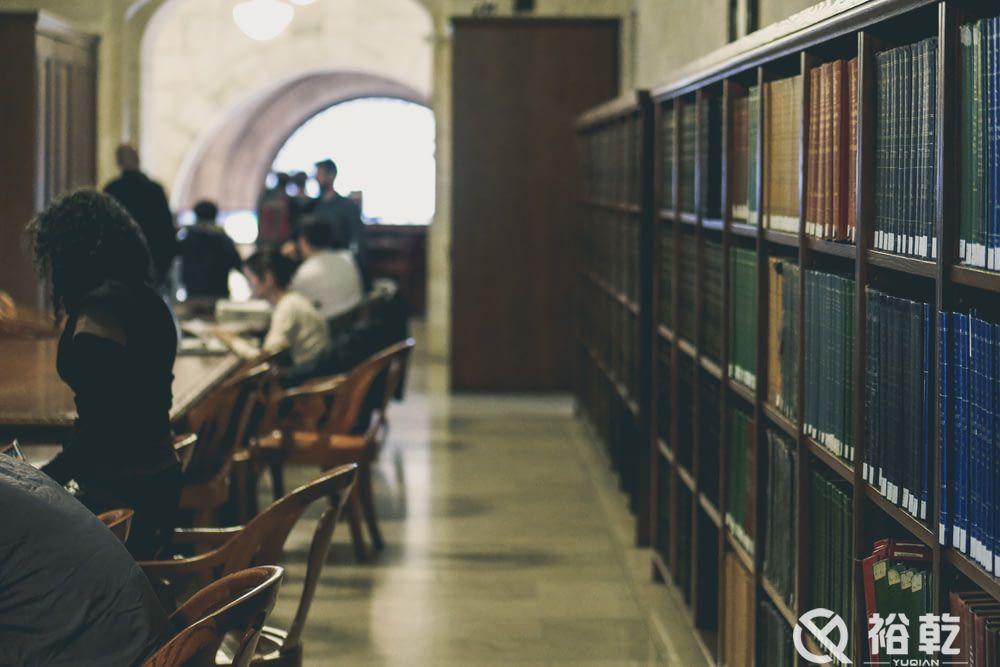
(263, 20)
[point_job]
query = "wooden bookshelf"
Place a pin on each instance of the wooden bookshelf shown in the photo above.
(840, 30)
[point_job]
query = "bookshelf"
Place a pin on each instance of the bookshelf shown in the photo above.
(693, 547)
(613, 330)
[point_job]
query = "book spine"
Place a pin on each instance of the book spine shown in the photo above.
(944, 425)
(852, 165)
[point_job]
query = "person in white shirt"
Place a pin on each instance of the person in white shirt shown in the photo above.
(329, 276)
(295, 322)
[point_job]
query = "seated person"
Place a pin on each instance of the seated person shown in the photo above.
(116, 353)
(295, 322)
(328, 276)
(207, 255)
(70, 593)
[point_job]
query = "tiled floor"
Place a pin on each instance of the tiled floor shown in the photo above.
(506, 545)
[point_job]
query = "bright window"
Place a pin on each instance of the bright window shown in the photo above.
(383, 147)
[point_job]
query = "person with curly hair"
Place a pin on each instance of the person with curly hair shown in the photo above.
(116, 353)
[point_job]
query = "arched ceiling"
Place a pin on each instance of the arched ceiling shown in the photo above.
(231, 164)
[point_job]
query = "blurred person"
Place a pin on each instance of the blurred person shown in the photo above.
(207, 254)
(343, 216)
(295, 322)
(70, 593)
(274, 214)
(116, 354)
(302, 203)
(146, 202)
(329, 275)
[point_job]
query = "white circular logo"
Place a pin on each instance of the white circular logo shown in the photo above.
(834, 623)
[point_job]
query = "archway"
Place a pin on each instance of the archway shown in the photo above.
(233, 160)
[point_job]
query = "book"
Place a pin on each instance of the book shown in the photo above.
(687, 261)
(753, 139)
(828, 413)
(897, 422)
(774, 637)
(739, 156)
(689, 145)
(780, 516)
(832, 575)
(782, 123)
(666, 285)
(738, 614)
(743, 316)
(710, 330)
(710, 141)
(906, 149)
(783, 336)
(667, 155)
(741, 494)
(709, 436)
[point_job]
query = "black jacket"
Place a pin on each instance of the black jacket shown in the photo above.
(146, 202)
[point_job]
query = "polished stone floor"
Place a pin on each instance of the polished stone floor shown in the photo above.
(506, 544)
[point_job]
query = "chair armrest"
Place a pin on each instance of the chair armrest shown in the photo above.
(204, 537)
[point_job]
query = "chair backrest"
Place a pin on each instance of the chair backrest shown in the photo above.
(184, 446)
(262, 539)
(388, 383)
(238, 603)
(118, 522)
(221, 422)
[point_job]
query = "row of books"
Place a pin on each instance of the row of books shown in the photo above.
(978, 639)
(897, 399)
(664, 418)
(781, 137)
(832, 540)
(710, 147)
(897, 585)
(711, 303)
(738, 618)
(687, 265)
(612, 161)
(979, 217)
(783, 336)
(906, 149)
(743, 316)
(831, 192)
(779, 516)
(609, 250)
(667, 119)
(689, 142)
(774, 637)
(969, 360)
(709, 435)
(612, 332)
(740, 492)
(828, 413)
(666, 286)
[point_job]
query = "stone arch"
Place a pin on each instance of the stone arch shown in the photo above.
(230, 163)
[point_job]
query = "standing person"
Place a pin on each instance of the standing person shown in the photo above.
(343, 215)
(116, 353)
(274, 214)
(328, 276)
(207, 255)
(70, 593)
(302, 203)
(146, 202)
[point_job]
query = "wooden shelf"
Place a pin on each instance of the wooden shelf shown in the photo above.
(743, 392)
(686, 347)
(685, 477)
(743, 229)
(662, 568)
(714, 224)
(904, 519)
(978, 278)
(607, 288)
(980, 577)
(832, 248)
(689, 219)
(665, 333)
(779, 603)
(902, 264)
(618, 207)
(832, 462)
(780, 420)
(665, 450)
(741, 553)
(781, 238)
(710, 510)
(711, 368)
(665, 214)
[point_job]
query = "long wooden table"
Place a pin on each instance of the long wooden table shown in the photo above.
(36, 406)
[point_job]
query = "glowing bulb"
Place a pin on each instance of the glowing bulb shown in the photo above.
(262, 20)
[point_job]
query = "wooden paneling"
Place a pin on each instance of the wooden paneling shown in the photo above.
(47, 131)
(518, 86)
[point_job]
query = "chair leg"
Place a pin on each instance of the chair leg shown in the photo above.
(364, 485)
(354, 517)
(277, 480)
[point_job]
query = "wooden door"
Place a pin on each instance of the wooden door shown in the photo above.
(518, 86)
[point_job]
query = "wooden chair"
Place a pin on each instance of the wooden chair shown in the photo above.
(333, 439)
(238, 603)
(118, 522)
(261, 542)
(221, 423)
